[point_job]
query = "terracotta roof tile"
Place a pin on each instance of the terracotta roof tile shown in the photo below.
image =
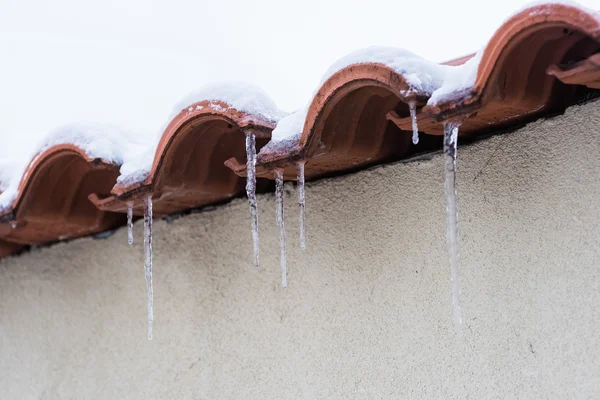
(512, 86)
(188, 169)
(52, 202)
(538, 62)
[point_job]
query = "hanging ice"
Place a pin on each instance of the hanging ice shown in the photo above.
(412, 106)
(148, 260)
(450, 144)
(280, 224)
(251, 189)
(301, 203)
(130, 222)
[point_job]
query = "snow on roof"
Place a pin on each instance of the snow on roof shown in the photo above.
(437, 80)
(242, 96)
(456, 78)
(420, 74)
(108, 142)
(289, 125)
(111, 144)
(137, 165)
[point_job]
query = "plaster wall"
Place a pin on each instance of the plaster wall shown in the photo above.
(367, 312)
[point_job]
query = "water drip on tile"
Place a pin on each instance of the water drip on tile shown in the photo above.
(452, 237)
(281, 225)
(130, 222)
(148, 261)
(301, 195)
(412, 106)
(251, 191)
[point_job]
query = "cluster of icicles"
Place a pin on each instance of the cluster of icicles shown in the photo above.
(450, 148)
(251, 192)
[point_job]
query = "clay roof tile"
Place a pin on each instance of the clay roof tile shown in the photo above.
(539, 61)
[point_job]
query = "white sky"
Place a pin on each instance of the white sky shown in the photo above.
(129, 61)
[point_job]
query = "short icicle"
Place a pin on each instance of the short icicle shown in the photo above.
(412, 106)
(280, 224)
(130, 222)
(301, 203)
(251, 190)
(450, 147)
(148, 260)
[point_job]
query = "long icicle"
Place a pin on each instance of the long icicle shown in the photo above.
(130, 222)
(450, 147)
(280, 224)
(251, 190)
(148, 260)
(301, 203)
(412, 106)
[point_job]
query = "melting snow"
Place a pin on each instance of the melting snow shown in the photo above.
(301, 195)
(450, 147)
(251, 190)
(148, 261)
(130, 222)
(281, 225)
(412, 106)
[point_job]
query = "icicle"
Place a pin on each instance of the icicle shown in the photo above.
(412, 106)
(148, 260)
(280, 224)
(251, 190)
(130, 222)
(450, 144)
(301, 203)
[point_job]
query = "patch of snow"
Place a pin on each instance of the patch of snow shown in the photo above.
(456, 78)
(290, 126)
(420, 74)
(138, 164)
(242, 96)
(108, 142)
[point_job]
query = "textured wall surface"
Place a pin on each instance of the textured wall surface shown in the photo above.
(367, 313)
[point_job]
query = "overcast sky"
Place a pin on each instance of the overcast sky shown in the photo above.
(129, 61)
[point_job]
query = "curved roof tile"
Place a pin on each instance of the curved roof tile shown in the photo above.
(52, 199)
(346, 125)
(513, 67)
(188, 168)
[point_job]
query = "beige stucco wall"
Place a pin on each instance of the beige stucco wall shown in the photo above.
(367, 313)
